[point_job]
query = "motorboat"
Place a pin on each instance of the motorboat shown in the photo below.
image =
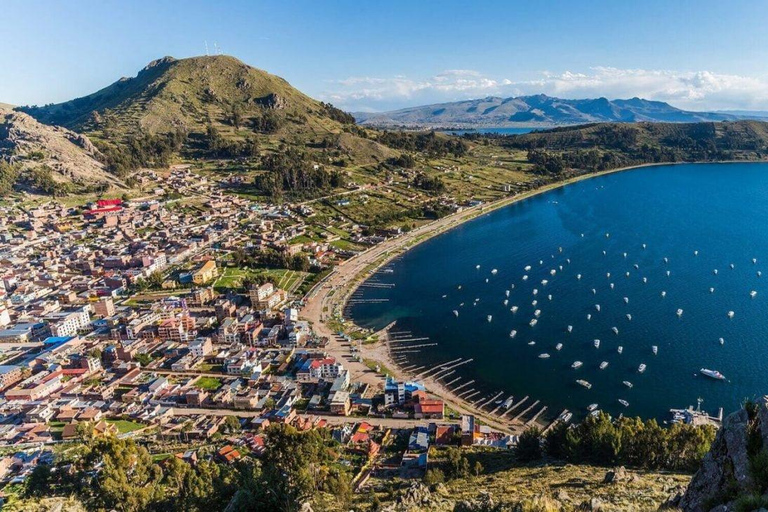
(712, 374)
(559, 346)
(597, 343)
(604, 365)
(512, 333)
(655, 349)
(544, 356)
(623, 402)
(627, 383)
(619, 349)
(592, 407)
(584, 383)
(576, 365)
(641, 368)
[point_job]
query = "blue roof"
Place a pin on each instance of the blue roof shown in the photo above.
(57, 340)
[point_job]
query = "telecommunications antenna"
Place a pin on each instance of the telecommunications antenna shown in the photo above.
(206, 48)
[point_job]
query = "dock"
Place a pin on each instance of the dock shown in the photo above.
(515, 406)
(463, 385)
(525, 411)
(536, 416)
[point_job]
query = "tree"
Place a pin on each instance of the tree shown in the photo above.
(434, 476)
(38, 482)
(478, 469)
(529, 445)
(236, 117)
(231, 424)
(458, 465)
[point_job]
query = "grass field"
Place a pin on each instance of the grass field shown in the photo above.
(232, 278)
(125, 426)
(208, 383)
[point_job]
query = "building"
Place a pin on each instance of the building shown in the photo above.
(68, 322)
(200, 347)
(315, 370)
(205, 273)
(398, 393)
(104, 307)
(9, 375)
(340, 403)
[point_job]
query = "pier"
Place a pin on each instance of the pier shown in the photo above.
(515, 406)
(525, 411)
(536, 416)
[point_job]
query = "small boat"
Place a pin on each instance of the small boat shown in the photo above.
(645, 279)
(592, 407)
(627, 274)
(594, 292)
(753, 294)
(655, 349)
(534, 302)
(643, 246)
(666, 260)
(559, 346)
(722, 341)
(623, 402)
(512, 333)
(604, 365)
(525, 278)
(713, 374)
(625, 255)
(506, 293)
(544, 356)
(537, 313)
(596, 343)
(535, 291)
(641, 368)
(444, 296)
(607, 235)
(578, 276)
(612, 286)
(626, 300)
(549, 297)
(759, 273)
(569, 328)
(455, 313)
(589, 316)
(494, 271)
(576, 365)
(584, 383)
(508, 403)
(565, 418)
(619, 349)
(544, 282)
(506, 301)
(714, 271)
(627, 383)
(695, 253)
(732, 265)
(668, 273)
(459, 287)
(679, 312)
(597, 307)
(527, 268)
(552, 272)
(514, 309)
(615, 330)
(490, 318)
(533, 322)
(568, 260)
(604, 253)
(629, 317)
(486, 279)
(754, 261)
(531, 343)
(595, 413)
(637, 266)
(663, 294)
(477, 266)
(711, 290)
(608, 275)
(730, 314)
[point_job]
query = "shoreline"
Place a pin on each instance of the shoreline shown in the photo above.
(330, 297)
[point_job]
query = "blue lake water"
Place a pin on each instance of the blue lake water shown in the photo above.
(719, 210)
(499, 131)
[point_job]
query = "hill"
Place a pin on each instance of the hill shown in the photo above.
(536, 111)
(48, 159)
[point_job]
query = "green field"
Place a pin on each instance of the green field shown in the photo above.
(232, 278)
(125, 426)
(208, 383)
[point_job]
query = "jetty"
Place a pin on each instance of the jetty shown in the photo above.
(515, 406)
(525, 411)
(536, 416)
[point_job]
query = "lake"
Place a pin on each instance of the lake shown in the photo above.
(718, 210)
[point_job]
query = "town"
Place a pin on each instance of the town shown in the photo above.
(177, 322)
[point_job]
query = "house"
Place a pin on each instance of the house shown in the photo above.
(228, 454)
(206, 272)
(428, 408)
(340, 403)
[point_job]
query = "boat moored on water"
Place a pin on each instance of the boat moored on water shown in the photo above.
(596, 343)
(544, 356)
(655, 349)
(712, 374)
(604, 365)
(584, 383)
(569, 328)
(490, 317)
(623, 402)
(513, 309)
(619, 349)
(576, 365)
(559, 346)
(627, 383)
(615, 330)
(592, 407)
(533, 322)
(455, 313)
(641, 368)
(679, 312)
(512, 333)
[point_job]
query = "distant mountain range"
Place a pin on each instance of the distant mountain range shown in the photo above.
(541, 111)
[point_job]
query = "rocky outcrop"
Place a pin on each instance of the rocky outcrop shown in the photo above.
(725, 471)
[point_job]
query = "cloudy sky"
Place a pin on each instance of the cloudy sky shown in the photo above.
(367, 56)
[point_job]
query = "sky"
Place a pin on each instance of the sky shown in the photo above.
(374, 56)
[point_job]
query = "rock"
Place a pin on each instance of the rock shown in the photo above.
(725, 469)
(593, 504)
(273, 101)
(441, 489)
(615, 475)
(562, 495)
(306, 507)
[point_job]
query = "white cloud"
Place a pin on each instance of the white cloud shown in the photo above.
(694, 90)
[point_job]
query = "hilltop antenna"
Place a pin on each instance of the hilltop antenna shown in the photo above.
(206, 48)
(216, 49)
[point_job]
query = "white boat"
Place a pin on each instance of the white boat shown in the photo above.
(508, 403)
(713, 374)
(629, 317)
(626, 300)
(527, 268)
(714, 271)
(645, 279)
(679, 312)
(568, 260)
(607, 235)
(459, 287)
(641, 368)
(753, 294)
(732, 265)
(486, 279)
(544, 356)
(565, 418)
(513, 309)
(604, 253)
(627, 274)
(663, 294)
(535, 291)
(623, 402)
(643, 246)
(455, 313)
(592, 407)
(576, 365)
(637, 266)
(655, 349)
(619, 349)
(759, 273)
(534, 302)
(537, 313)
(615, 330)
(711, 290)
(578, 276)
(722, 341)
(525, 278)
(552, 272)
(531, 343)
(477, 266)
(444, 296)
(589, 316)
(490, 318)
(612, 286)
(595, 413)
(604, 365)
(544, 282)
(506, 301)
(596, 343)
(533, 322)
(506, 293)
(608, 275)
(584, 383)
(569, 328)
(594, 292)
(730, 314)
(494, 271)
(666, 260)
(597, 307)
(559, 346)
(754, 261)
(512, 333)
(625, 255)
(695, 253)
(668, 273)
(627, 383)
(549, 297)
